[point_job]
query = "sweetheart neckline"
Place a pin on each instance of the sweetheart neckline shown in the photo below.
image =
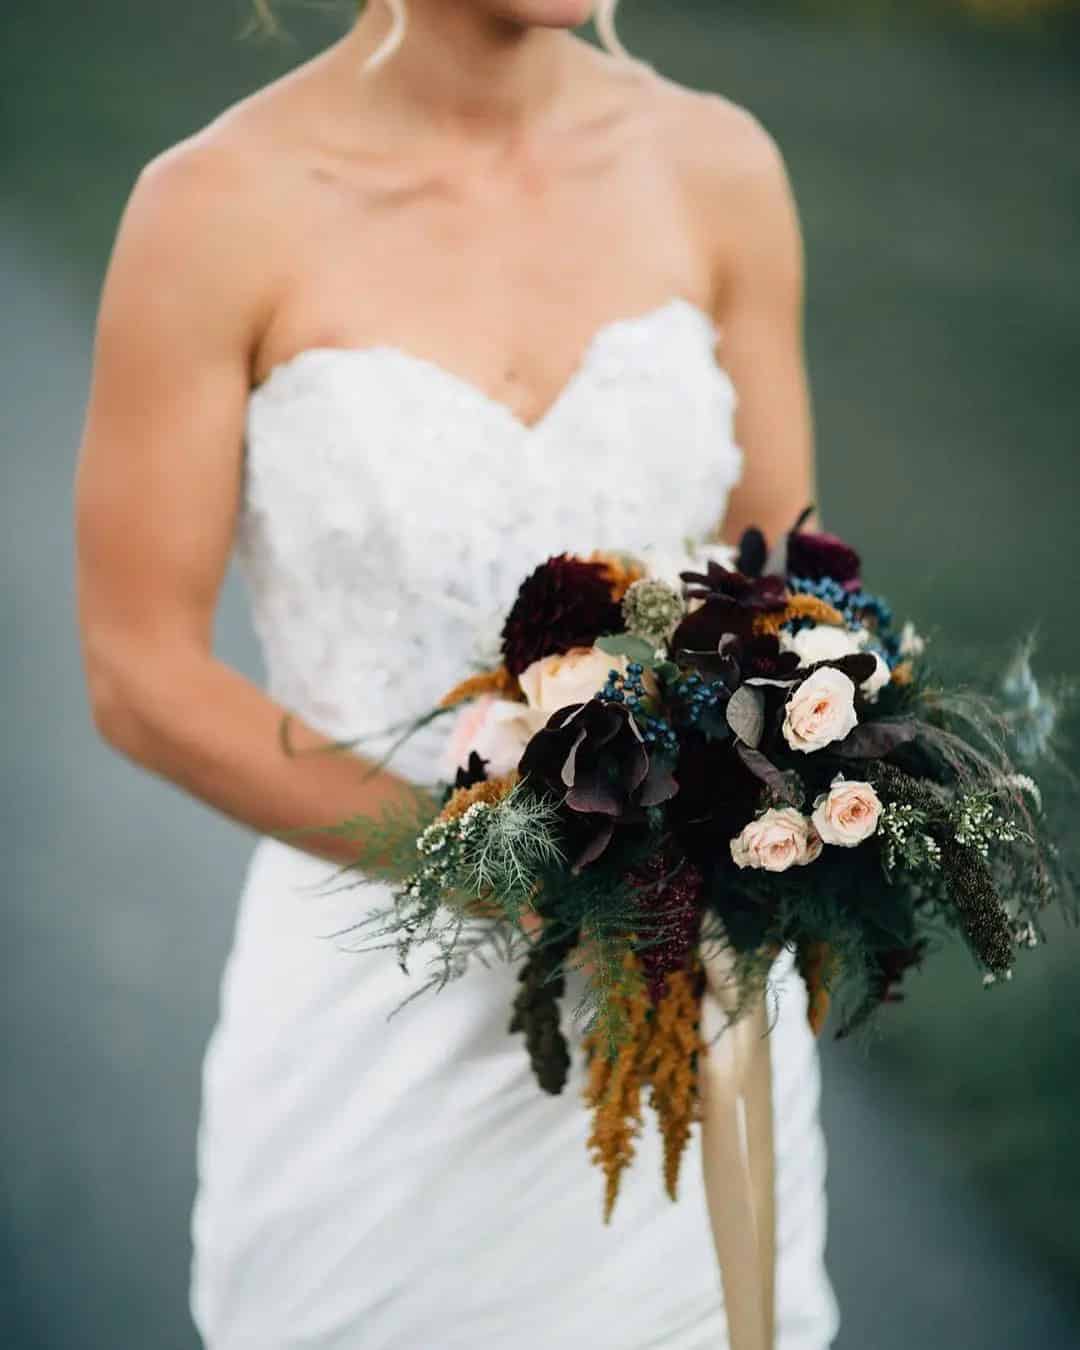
(604, 332)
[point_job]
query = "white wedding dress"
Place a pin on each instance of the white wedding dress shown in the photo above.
(367, 1184)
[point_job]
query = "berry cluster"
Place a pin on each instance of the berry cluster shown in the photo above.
(630, 690)
(698, 697)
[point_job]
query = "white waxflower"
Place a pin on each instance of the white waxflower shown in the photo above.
(823, 642)
(911, 643)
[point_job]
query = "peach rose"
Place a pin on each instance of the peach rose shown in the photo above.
(848, 813)
(821, 710)
(575, 676)
(777, 840)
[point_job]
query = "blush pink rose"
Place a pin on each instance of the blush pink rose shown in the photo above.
(848, 813)
(497, 729)
(820, 711)
(780, 838)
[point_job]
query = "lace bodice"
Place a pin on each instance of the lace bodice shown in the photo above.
(391, 509)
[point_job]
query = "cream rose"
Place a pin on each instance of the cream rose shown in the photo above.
(848, 813)
(820, 711)
(777, 840)
(575, 676)
(823, 642)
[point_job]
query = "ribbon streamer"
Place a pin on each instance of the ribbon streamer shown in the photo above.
(738, 1152)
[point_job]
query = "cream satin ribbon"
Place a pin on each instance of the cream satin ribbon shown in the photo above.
(735, 1077)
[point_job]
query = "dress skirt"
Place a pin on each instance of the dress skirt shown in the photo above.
(378, 1182)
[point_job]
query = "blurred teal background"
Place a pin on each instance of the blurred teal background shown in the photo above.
(934, 154)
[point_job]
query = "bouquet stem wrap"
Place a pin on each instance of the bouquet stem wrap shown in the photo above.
(738, 1153)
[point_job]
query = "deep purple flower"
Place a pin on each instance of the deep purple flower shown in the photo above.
(732, 601)
(593, 758)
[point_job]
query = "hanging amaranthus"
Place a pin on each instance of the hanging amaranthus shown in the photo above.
(675, 1048)
(615, 1083)
(660, 1051)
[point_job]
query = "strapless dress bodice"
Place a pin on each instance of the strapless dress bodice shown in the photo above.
(390, 509)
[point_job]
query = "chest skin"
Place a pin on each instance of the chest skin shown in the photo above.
(500, 270)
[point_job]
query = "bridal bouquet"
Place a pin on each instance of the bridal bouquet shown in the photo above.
(723, 756)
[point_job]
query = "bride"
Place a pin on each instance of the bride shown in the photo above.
(459, 293)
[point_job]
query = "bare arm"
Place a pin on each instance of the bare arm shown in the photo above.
(157, 491)
(761, 291)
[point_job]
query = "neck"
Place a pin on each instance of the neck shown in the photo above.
(462, 68)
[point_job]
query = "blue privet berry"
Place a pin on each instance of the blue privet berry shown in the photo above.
(859, 608)
(629, 689)
(695, 697)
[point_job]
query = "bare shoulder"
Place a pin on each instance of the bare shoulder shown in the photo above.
(215, 181)
(206, 215)
(720, 145)
(736, 183)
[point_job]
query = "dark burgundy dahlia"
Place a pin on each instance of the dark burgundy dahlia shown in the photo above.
(593, 758)
(566, 602)
(816, 557)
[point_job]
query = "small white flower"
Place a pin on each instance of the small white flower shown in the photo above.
(911, 643)
(820, 711)
(823, 642)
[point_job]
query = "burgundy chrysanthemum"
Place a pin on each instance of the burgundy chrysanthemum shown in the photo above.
(671, 900)
(817, 556)
(566, 602)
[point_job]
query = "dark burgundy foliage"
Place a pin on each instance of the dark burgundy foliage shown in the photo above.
(711, 807)
(564, 603)
(671, 897)
(858, 666)
(753, 552)
(890, 966)
(762, 658)
(475, 771)
(592, 756)
(817, 556)
(732, 602)
(875, 740)
(748, 592)
(893, 965)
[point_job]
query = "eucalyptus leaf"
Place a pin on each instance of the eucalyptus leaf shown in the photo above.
(746, 715)
(626, 644)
